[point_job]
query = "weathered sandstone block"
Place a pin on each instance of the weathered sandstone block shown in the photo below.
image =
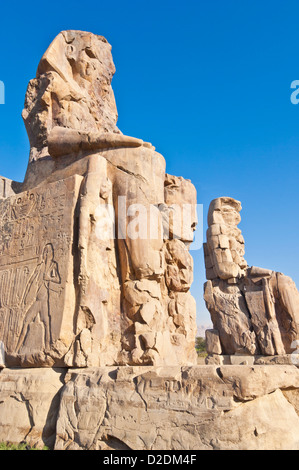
(174, 408)
(36, 272)
(255, 310)
(95, 266)
(29, 404)
(152, 408)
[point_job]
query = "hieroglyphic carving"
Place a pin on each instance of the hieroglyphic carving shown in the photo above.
(36, 296)
(36, 234)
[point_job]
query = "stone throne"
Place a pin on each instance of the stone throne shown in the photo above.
(78, 287)
(254, 311)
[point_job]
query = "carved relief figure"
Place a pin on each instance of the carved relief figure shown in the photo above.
(35, 301)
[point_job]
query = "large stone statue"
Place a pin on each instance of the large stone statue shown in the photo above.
(254, 311)
(95, 277)
(94, 266)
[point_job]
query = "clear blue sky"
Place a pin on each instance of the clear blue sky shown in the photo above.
(207, 82)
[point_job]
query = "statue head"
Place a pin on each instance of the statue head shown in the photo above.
(224, 249)
(72, 89)
(48, 253)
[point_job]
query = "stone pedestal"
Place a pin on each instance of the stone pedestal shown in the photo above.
(148, 408)
(243, 359)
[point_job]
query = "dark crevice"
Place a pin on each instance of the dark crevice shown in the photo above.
(116, 444)
(219, 373)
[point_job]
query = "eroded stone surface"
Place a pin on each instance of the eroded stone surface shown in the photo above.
(72, 89)
(29, 403)
(120, 246)
(152, 408)
(174, 408)
(36, 273)
(255, 310)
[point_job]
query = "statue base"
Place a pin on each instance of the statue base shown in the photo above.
(242, 359)
(208, 407)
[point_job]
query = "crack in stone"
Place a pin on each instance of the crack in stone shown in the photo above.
(135, 380)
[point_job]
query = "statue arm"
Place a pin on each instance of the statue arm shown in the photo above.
(64, 141)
